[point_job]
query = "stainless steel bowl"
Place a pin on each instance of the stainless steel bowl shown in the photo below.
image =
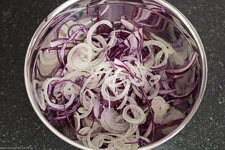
(168, 14)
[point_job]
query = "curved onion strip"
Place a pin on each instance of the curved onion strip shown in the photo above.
(101, 40)
(83, 131)
(117, 97)
(132, 129)
(97, 83)
(132, 100)
(149, 130)
(153, 78)
(76, 63)
(90, 144)
(58, 106)
(101, 139)
(87, 112)
(87, 101)
(76, 120)
(159, 55)
(145, 139)
(139, 117)
(121, 145)
(74, 75)
(155, 91)
(150, 62)
(139, 74)
(128, 25)
(96, 109)
(91, 31)
(170, 48)
(136, 91)
(113, 122)
(164, 83)
(97, 141)
(137, 136)
(123, 102)
(71, 88)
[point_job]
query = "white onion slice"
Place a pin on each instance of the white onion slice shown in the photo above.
(91, 31)
(87, 112)
(82, 63)
(154, 91)
(84, 130)
(113, 122)
(89, 142)
(101, 41)
(128, 25)
(106, 95)
(153, 78)
(58, 106)
(76, 120)
(139, 73)
(87, 101)
(159, 55)
(97, 141)
(132, 129)
(170, 48)
(96, 109)
(123, 102)
(139, 116)
(96, 82)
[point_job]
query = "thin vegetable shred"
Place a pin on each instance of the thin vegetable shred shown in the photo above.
(112, 86)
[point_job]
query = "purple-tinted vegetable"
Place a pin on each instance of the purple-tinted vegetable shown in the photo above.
(88, 13)
(46, 19)
(186, 94)
(169, 124)
(126, 53)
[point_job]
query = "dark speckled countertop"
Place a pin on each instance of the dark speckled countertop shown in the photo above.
(20, 128)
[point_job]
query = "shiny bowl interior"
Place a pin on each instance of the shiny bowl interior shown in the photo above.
(160, 19)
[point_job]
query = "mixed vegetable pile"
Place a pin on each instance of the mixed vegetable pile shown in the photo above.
(111, 87)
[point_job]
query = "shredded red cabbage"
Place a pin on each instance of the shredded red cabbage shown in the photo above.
(110, 85)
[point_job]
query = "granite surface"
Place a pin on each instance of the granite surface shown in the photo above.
(20, 128)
